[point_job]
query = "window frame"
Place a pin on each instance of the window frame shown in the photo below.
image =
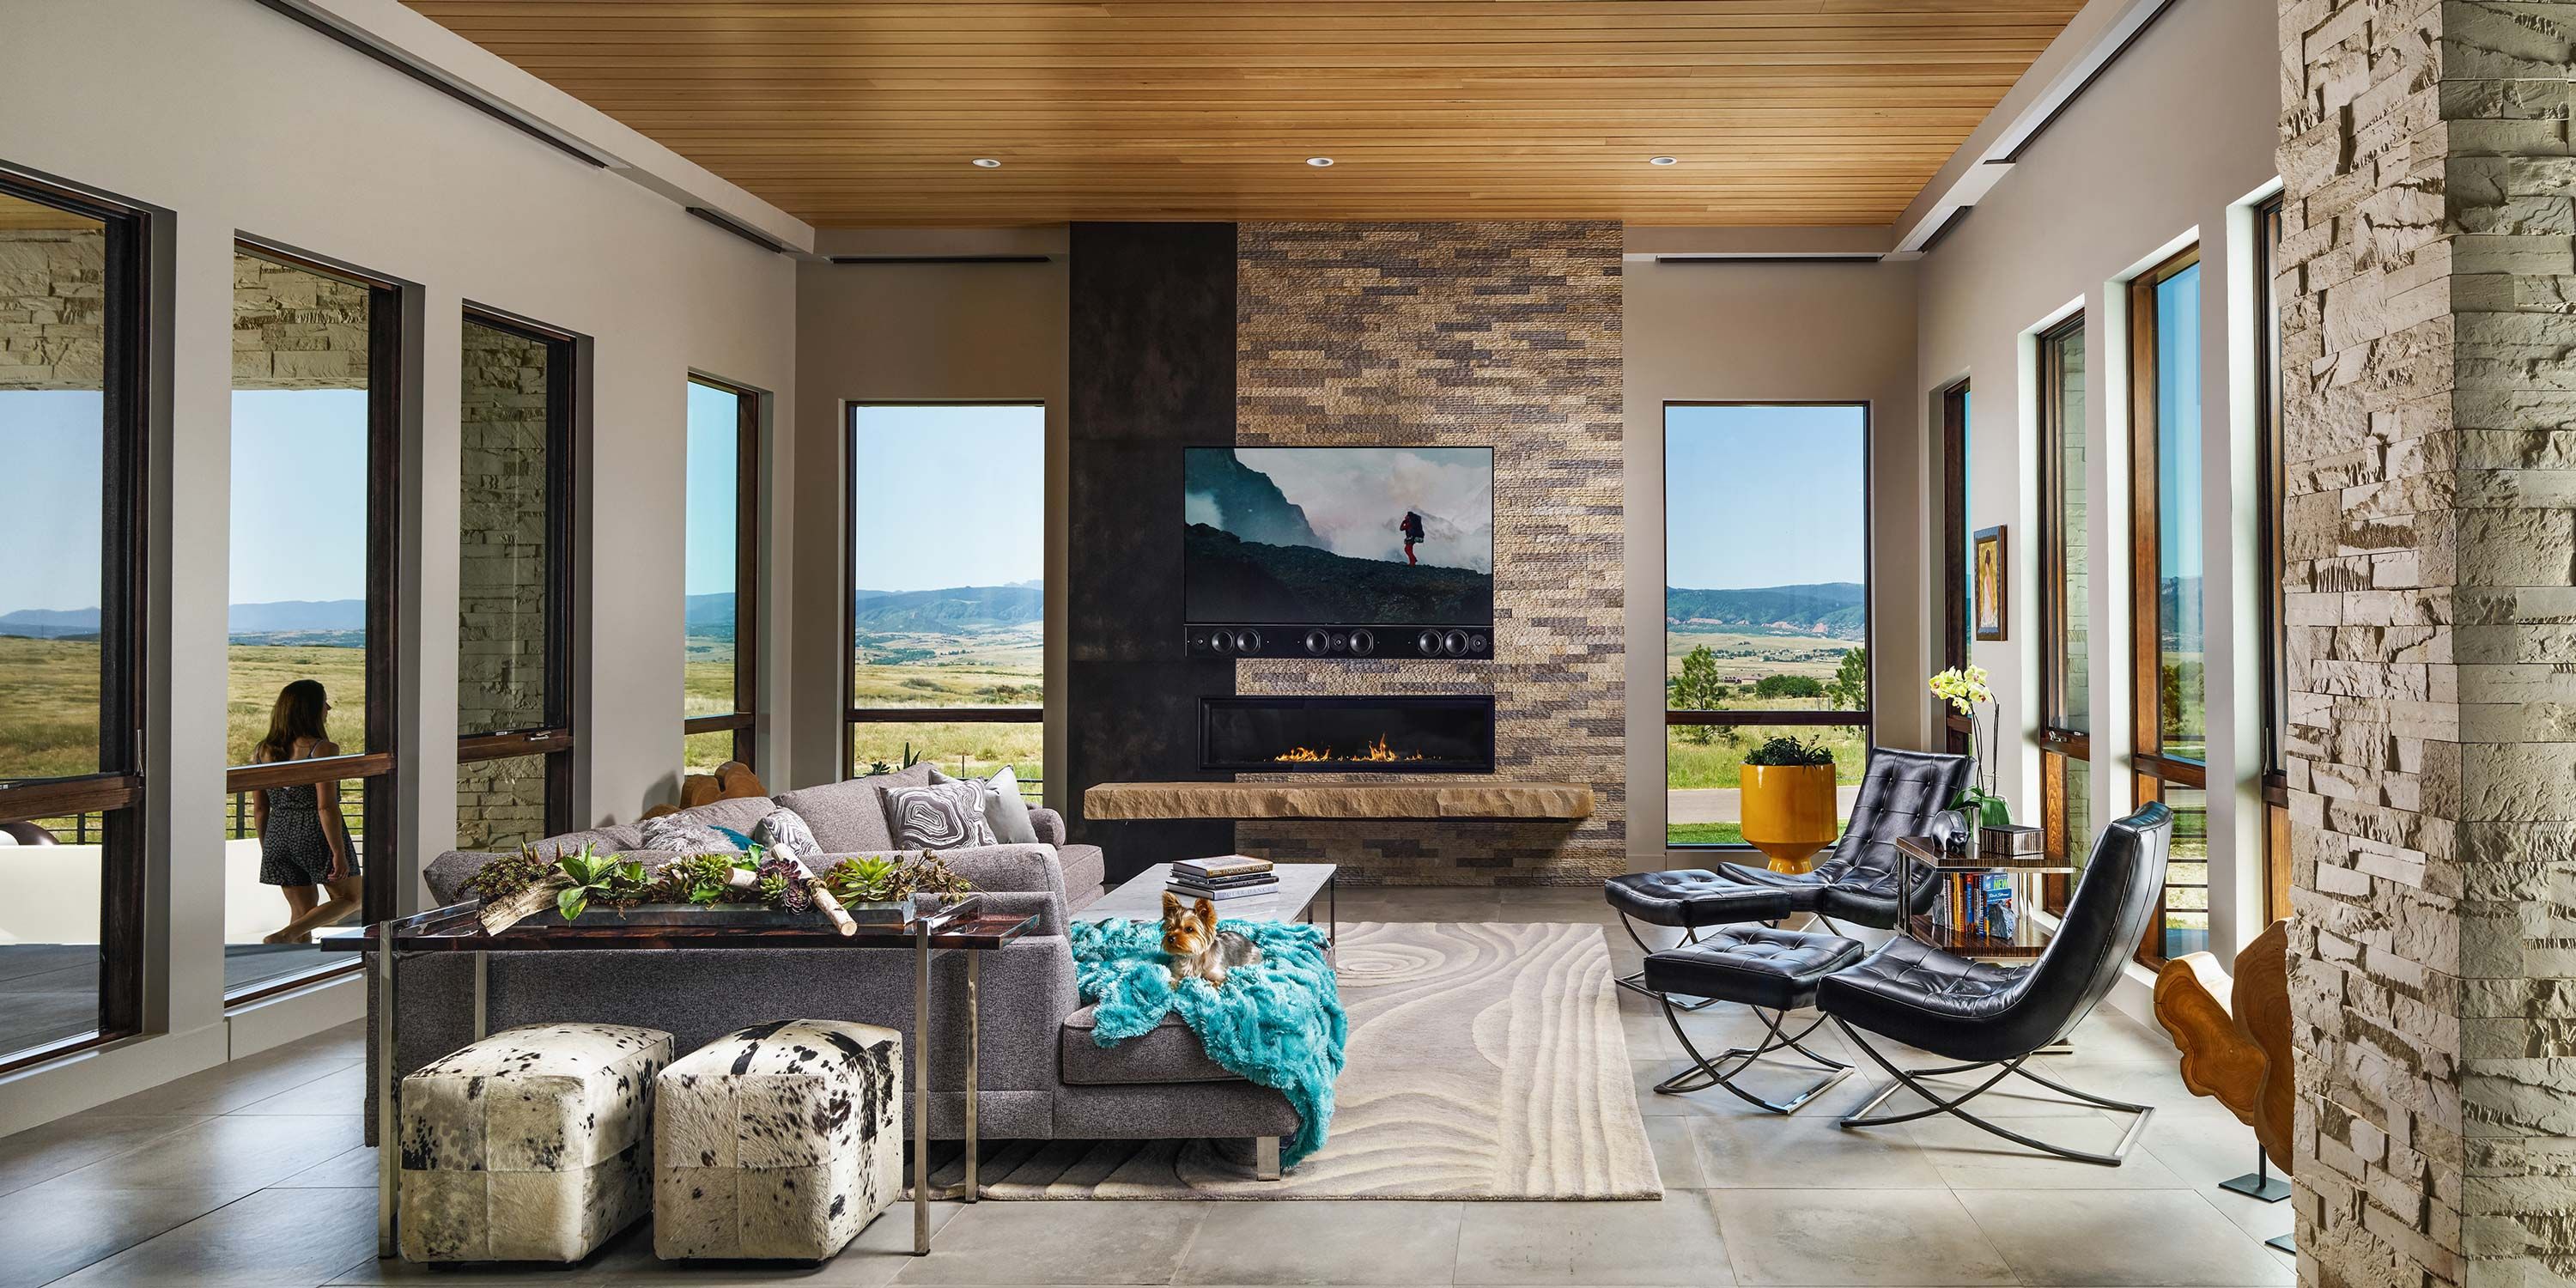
(2059, 743)
(557, 737)
(2152, 772)
(1866, 716)
(852, 712)
(2272, 469)
(373, 770)
(744, 719)
(118, 791)
(1959, 735)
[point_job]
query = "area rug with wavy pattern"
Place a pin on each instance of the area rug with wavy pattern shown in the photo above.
(1486, 1062)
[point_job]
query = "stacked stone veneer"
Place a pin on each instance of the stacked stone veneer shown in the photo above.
(1464, 335)
(53, 308)
(2428, 284)
(296, 329)
(504, 515)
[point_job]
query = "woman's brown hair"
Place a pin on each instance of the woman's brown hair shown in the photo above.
(299, 714)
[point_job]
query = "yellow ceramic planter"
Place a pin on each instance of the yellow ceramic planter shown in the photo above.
(1788, 812)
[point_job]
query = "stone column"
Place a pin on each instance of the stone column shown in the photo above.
(2428, 284)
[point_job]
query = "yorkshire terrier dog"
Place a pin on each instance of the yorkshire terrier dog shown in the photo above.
(1197, 948)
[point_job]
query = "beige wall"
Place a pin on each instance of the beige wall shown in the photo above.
(912, 333)
(182, 107)
(2170, 143)
(1754, 332)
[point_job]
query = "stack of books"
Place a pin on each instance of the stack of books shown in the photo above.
(1232, 876)
(1980, 903)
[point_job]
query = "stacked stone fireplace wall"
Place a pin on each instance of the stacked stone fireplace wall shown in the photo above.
(1504, 335)
(2428, 284)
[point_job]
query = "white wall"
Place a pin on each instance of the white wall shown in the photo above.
(2173, 139)
(953, 332)
(1744, 331)
(234, 119)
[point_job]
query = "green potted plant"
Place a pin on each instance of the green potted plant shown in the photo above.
(1786, 799)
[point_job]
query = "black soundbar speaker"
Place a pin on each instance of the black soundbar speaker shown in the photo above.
(1397, 640)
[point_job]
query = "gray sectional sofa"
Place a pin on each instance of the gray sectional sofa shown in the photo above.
(1042, 1076)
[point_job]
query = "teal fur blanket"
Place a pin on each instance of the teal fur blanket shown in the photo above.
(1278, 1022)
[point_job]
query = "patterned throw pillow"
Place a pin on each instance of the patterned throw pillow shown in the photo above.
(786, 827)
(684, 835)
(941, 816)
(1004, 809)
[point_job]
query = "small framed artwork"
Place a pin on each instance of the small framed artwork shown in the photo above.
(1991, 567)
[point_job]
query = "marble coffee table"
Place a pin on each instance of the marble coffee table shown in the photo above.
(1140, 898)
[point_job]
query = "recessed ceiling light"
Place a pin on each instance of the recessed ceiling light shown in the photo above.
(1319, 162)
(1663, 160)
(987, 163)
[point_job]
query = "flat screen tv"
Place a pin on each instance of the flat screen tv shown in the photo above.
(1320, 536)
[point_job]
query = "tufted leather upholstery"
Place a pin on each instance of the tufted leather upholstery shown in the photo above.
(1755, 965)
(1901, 795)
(1692, 897)
(1974, 1011)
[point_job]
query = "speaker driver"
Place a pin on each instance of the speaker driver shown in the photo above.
(1318, 643)
(1247, 641)
(1363, 643)
(1427, 643)
(1454, 643)
(1476, 644)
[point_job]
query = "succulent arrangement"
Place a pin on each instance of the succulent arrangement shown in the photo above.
(878, 878)
(1789, 751)
(586, 876)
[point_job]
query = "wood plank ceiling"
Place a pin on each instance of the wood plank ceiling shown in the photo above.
(851, 113)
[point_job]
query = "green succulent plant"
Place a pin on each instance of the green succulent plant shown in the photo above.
(1789, 751)
(596, 875)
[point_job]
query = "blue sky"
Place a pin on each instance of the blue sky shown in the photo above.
(1763, 496)
(2178, 456)
(948, 496)
(50, 525)
(714, 474)
(299, 513)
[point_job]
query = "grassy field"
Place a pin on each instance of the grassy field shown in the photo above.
(1719, 763)
(988, 668)
(1746, 656)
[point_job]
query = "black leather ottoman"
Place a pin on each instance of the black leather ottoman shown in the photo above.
(1771, 972)
(1687, 899)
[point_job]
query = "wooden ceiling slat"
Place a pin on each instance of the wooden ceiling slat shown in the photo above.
(859, 112)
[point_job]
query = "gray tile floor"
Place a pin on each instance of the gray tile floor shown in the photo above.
(251, 1174)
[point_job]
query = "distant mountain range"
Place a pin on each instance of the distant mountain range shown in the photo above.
(947, 612)
(323, 622)
(1834, 609)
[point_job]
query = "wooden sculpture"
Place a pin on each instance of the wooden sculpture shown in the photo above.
(2236, 1052)
(733, 780)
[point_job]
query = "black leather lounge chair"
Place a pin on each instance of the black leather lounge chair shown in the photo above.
(1901, 794)
(1995, 1017)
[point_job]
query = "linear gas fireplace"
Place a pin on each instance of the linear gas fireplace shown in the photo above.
(1448, 735)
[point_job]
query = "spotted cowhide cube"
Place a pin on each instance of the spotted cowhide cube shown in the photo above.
(534, 1144)
(780, 1142)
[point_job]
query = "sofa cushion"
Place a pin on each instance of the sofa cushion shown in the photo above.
(849, 817)
(1048, 824)
(740, 814)
(1168, 1052)
(1084, 871)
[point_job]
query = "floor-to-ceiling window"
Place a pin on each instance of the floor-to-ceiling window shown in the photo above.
(71, 627)
(720, 577)
(2168, 642)
(514, 700)
(947, 588)
(2269, 501)
(2065, 609)
(1958, 602)
(310, 658)
(1766, 599)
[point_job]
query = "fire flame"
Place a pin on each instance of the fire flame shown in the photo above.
(1375, 751)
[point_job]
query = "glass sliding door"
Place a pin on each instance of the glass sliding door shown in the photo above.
(1958, 557)
(310, 648)
(2065, 609)
(1766, 599)
(947, 623)
(2168, 641)
(72, 779)
(720, 578)
(514, 638)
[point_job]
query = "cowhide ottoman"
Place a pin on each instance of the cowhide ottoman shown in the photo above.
(534, 1144)
(778, 1142)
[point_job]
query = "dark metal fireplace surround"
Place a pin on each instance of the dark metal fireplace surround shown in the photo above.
(1338, 735)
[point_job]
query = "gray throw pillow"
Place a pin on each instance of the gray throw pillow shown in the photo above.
(683, 835)
(941, 816)
(1004, 811)
(783, 826)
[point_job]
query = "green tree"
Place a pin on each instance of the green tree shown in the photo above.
(1849, 688)
(1696, 688)
(1788, 686)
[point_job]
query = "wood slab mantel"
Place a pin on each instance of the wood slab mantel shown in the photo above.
(1338, 798)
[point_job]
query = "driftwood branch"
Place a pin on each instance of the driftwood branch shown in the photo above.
(500, 914)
